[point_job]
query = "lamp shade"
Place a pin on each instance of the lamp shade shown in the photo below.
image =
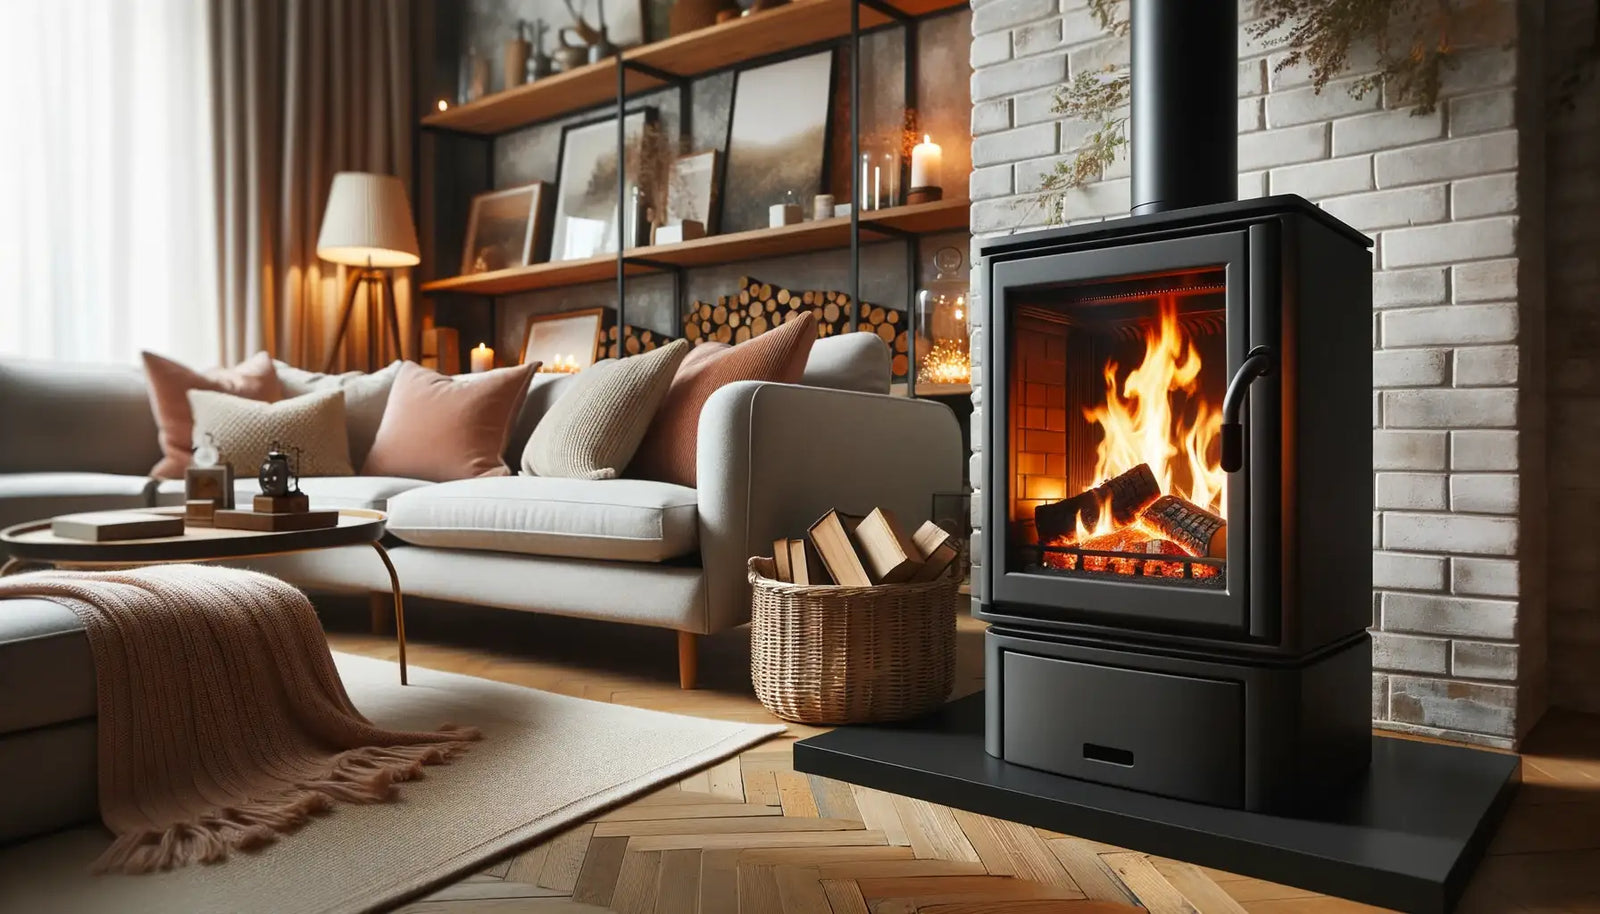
(368, 222)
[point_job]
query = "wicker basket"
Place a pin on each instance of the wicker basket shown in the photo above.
(845, 655)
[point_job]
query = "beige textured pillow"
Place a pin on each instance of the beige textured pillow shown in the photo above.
(244, 430)
(593, 430)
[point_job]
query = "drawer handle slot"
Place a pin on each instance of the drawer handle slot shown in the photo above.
(1097, 753)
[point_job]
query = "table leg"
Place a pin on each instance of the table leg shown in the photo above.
(399, 608)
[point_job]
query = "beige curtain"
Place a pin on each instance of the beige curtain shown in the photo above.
(302, 89)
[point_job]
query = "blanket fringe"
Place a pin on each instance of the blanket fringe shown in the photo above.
(364, 775)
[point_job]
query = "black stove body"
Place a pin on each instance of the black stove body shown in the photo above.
(1235, 670)
(1178, 467)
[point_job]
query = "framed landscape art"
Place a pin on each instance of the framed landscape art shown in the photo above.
(777, 137)
(506, 228)
(587, 214)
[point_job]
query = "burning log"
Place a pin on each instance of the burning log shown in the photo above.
(1189, 525)
(1127, 494)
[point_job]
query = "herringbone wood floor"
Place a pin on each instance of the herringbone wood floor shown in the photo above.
(753, 835)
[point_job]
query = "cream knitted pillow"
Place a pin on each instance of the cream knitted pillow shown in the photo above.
(244, 430)
(593, 430)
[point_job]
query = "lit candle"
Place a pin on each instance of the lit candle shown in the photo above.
(444, 105)
(927, 160)
(482, 358)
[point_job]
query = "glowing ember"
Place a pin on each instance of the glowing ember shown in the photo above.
(946, 363)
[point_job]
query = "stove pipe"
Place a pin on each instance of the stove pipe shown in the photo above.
(1185, 138)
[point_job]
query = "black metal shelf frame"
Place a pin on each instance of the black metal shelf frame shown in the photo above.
(683, 83)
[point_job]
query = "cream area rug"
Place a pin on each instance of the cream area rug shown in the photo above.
(546, 762)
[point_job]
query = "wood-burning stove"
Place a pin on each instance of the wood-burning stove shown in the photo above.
(1178, 491)
(1178, 466)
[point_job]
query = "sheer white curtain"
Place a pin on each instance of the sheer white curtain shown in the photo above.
(107, 201)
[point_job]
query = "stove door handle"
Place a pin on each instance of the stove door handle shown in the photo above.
(1259, 363)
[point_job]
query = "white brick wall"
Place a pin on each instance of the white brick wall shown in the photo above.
(1439, 193)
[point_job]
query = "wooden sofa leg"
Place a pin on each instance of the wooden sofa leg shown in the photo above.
(688, 659)
(380, 606)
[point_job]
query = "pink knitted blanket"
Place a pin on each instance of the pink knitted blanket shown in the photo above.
(222, 721)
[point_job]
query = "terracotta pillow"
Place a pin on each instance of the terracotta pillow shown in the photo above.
(170, 384)
(668, 452)
(442, 427)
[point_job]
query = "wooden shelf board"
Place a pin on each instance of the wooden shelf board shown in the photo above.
(794, 25)
(536, 276)
(788, 27)
(555, 95)
(825, 234)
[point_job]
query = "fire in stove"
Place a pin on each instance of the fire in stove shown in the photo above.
(1159, 509)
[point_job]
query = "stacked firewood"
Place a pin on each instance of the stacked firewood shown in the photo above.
(634, 340)
(1132, 498)
(760, 306)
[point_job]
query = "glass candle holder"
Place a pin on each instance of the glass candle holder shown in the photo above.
(944, 324)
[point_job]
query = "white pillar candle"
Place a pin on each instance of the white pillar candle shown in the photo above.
(927, 161)
(482, 358)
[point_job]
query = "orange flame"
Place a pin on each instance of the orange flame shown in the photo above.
(1140, 425)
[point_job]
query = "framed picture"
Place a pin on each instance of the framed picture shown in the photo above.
(506, 228)
(777, 137)
(587, 214)
(692, 189)
(564, 342)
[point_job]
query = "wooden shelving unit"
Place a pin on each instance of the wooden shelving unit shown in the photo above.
(797, 28)
(795, 25)
(821, 235)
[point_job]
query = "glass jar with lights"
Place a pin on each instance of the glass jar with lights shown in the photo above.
(943, 324)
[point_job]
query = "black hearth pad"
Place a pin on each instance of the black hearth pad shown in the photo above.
(1407, 837)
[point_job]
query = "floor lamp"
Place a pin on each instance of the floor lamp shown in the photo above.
(367, 228)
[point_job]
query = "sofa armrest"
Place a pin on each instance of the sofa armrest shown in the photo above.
(772, 458)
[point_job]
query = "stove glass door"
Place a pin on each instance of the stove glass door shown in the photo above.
(1116, 502)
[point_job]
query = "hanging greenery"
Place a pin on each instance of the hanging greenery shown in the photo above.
(1415, 42)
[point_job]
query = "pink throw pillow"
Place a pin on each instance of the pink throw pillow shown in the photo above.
(669, 450)
(442, 427)
(170, 383)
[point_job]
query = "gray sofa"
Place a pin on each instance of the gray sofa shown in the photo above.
(772, 457)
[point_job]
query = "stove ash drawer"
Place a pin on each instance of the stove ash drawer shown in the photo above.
(1178, 736)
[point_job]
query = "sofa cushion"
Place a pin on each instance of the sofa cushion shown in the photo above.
(365, 396)
(543, 392)
(668, 452)
(170, 383)
(324, 491)
(46, 670)
(442, 427)
(592, 432)
(849, 361)
(627, 520)
(37, 496)
(46, 406)
(309, 428)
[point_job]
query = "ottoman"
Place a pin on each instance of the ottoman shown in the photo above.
(47, 720)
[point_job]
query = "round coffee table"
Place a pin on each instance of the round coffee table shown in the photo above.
(32, 544)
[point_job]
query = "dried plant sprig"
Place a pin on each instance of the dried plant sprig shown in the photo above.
(1094, 97)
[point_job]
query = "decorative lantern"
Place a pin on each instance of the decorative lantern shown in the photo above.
(943, 324)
